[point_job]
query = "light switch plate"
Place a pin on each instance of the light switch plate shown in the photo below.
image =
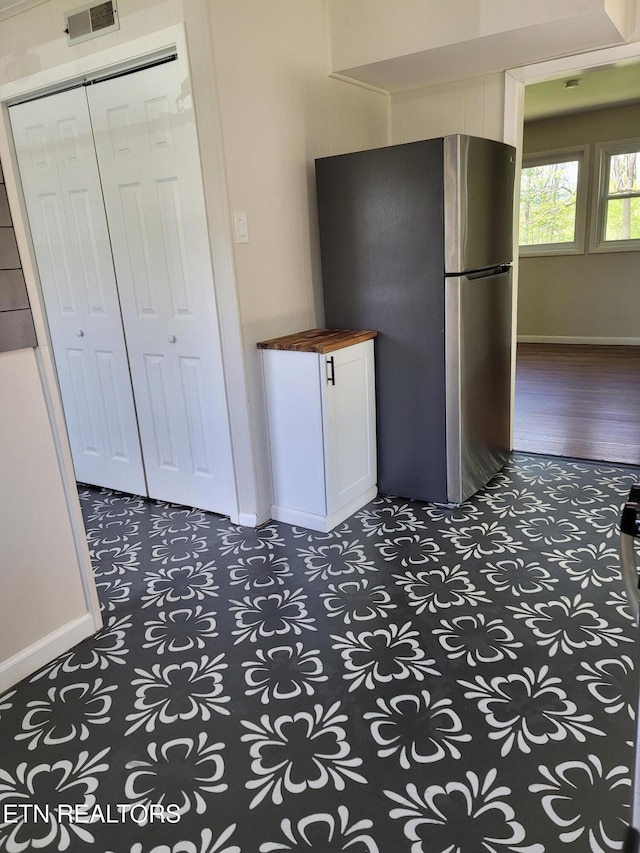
(242, 227)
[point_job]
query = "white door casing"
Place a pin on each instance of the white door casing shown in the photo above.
(139, 208)
(147, 150)
(56, 156)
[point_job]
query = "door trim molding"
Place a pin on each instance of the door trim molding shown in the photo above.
(98, 76)
(48, 378)
(515, 81)
(197, 55)
(130, 54)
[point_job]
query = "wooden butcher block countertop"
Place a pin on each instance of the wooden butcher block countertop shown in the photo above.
(318, 340)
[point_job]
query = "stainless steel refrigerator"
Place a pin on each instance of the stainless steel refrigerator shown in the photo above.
(416, 243)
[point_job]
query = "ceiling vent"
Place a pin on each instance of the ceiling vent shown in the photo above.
(89, 22)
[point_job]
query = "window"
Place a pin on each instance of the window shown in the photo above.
(617, 193)
(553, 201)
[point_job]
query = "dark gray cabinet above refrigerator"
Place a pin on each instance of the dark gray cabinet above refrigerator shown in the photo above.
(416, 242)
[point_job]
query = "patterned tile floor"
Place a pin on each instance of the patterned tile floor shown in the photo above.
(420, 680)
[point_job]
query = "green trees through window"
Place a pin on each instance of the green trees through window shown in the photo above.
(554, 197)
(622, 211)
(548, 203)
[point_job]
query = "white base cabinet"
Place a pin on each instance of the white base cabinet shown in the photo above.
(321, 414)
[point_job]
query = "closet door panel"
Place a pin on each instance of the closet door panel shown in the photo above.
(59, 174)
(147, 151)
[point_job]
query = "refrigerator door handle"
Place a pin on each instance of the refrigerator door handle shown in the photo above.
(500, 269)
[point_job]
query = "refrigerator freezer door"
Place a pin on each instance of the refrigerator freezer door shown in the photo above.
(478, 203)
(478, 380)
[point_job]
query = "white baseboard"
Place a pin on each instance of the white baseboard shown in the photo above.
(27, 661)
(571, 339)
(247, 519)
(322, 523)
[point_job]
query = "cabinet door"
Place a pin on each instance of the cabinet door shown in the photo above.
(146, 144)
(294, 409)
(349, 424)
(56, 158)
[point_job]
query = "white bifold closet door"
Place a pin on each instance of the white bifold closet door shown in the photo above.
(59, 173)
(152, 204)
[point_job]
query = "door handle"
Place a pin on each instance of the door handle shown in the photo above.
(172, 339)
(331, 371)
(80, 333)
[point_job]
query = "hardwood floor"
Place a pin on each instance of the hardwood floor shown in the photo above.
(581, 401)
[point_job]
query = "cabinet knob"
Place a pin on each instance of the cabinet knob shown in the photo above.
(80, 333)
(172, 339)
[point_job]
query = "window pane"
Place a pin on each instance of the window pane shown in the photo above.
(623, 219)
(548, 203)
(624, 173)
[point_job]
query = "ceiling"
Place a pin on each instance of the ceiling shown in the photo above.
(606, 87)
(619, 84)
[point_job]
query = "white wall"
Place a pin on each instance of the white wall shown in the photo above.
(44, 604)
(279, 110)
(474, 106)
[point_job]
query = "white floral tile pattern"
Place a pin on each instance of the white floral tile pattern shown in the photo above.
(477, 811)
(421, 679)
(298, 753)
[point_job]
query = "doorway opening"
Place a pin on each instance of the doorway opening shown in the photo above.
(578, 354)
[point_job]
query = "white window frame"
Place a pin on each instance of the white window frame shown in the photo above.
(603, 152)
(562, 155)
